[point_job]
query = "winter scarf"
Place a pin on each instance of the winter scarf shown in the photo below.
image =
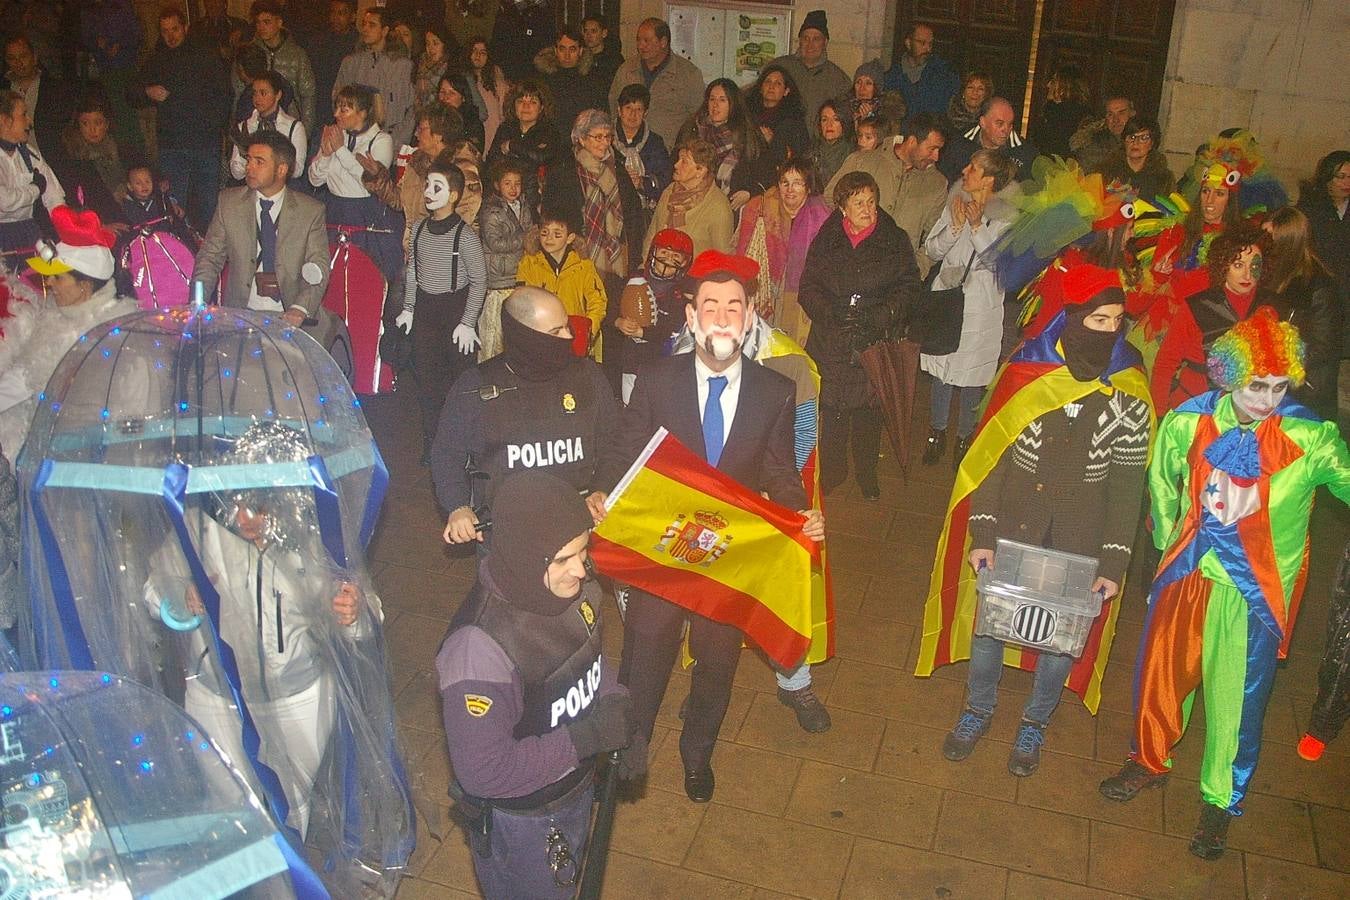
(602, 211)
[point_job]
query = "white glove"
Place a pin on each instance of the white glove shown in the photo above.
(466, 339)
(404, 321)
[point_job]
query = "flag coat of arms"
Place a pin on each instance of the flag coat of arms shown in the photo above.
(682, 530)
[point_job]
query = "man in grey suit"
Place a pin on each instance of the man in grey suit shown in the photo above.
(279, 263)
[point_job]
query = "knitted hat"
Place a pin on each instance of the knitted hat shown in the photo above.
(534, 515)
(815, 19)
(85, 246)
(873, 70)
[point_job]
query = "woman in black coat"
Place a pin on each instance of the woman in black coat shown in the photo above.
(1324, 200)
(859, 283)
(528, 135)
(1308, 297)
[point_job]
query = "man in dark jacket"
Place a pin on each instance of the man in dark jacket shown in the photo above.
(521, 30)
(573, 90)
(606, 55)
(187, 85)
(924, 79)
(285, 57)
(994, 131)
(327, 49)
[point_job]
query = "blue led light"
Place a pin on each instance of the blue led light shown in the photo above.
(227, 373)
(42, 396)
(146, 765)
(6, 710)
(137, 740)
(107, 354)
(290, 395)
(117, 329)
(159, 364)
(107, 679)
(56, 407)
(210, 316)
(182, 405)
(356, 401)
(35, 779)
(189, 734)
(204, 745)
(104, 413)
(54, 683)
(322, 399)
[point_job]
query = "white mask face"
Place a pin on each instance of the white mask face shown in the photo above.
(1259, 398)
(437, 192)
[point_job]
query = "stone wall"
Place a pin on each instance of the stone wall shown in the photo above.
(859, 29)
(1277, 67)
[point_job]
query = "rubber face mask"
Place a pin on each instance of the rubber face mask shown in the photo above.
(1258, 399)
(437, 192)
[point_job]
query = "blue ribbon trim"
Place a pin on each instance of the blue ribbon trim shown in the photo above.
(329, 510)
(306, 883)
(175, 488)
(379, 487)
(1227, 546)
(76, 642)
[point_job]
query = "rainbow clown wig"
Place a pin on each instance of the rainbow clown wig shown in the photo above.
(1256, 348)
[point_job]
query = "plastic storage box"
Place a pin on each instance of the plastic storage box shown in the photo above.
(1038, 598)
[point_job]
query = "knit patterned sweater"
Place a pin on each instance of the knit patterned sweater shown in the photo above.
(1073, 480)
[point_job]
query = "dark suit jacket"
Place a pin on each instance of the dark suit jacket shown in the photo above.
(758, 450)
(233, 238)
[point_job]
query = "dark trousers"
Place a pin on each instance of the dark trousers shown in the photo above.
(651, 641)
(194, 177)
(840, 428)
(436, 359)
(517, 866)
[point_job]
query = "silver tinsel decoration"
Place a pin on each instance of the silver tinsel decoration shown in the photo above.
(291, 520)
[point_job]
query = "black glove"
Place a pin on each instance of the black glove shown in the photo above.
(633, 760)
(240, 137)
(41, 181)
(605, 728)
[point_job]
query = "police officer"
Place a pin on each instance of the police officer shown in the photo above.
(528, 699)
(536, 406)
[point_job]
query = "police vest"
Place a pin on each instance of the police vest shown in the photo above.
(558, 657)
(538, 424)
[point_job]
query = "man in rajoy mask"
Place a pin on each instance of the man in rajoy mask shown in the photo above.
(738, 417)
(1231, 483)
(535, 406)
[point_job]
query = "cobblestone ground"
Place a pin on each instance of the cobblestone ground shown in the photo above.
(871, 809)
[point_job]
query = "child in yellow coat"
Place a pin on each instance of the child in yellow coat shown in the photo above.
(558, 268)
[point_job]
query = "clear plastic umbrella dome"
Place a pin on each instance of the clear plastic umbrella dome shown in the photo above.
(200, 484)
(112, 791)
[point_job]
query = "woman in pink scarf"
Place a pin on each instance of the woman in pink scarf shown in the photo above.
(777, 229)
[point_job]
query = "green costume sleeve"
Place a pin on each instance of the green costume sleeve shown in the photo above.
(1164, 474)
(1330, 462)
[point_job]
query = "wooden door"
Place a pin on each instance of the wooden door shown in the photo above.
(1121, 45)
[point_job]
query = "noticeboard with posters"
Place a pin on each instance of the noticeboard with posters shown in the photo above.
(731, 41)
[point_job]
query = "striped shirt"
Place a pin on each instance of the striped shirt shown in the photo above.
(432, 259)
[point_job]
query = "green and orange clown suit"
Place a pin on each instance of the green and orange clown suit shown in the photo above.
(1230, 507)
(1034, 382)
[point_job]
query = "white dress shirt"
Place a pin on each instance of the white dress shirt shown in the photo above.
(341, 171)
(286, 125)
(256, 300)
(731, 394)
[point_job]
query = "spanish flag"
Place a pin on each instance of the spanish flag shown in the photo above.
(682, 530)
(1034, 382)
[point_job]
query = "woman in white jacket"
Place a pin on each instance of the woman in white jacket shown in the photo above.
(975, 216)
(81, 293)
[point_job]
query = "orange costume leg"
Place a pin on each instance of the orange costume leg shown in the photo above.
(1168, 669)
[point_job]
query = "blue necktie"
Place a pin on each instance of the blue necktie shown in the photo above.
(351, 141)
(712, 419)
(267, 237)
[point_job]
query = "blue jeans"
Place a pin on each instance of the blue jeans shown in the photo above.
(940, 409)
(986, 668)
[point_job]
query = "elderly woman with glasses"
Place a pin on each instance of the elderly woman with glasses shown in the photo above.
(594, 188)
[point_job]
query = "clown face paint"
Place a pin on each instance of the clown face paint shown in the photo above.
(1258, 399)
(437, 192)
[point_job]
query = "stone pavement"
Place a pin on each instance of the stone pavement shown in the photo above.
(871, 809)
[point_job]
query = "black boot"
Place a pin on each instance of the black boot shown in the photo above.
(937, 444)
(1211, 834)
(959, 451)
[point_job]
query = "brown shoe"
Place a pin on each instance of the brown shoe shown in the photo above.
(811, 713)
(1130, 780)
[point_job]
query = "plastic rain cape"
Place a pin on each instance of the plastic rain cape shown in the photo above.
(155, 436)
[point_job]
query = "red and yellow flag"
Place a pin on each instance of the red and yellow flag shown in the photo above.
(682, 530)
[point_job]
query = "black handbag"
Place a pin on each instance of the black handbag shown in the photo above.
(938, 320)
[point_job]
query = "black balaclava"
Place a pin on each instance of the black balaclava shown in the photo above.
(533, 355)
(534, 515)
(1087, 353)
